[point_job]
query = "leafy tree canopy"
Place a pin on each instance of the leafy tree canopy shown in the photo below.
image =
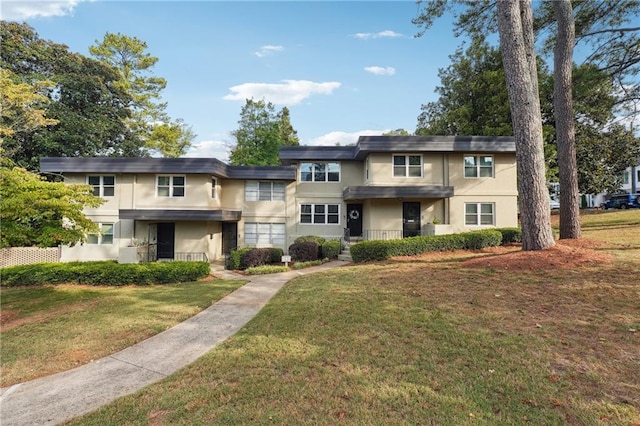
(35, 212)
(260, 134)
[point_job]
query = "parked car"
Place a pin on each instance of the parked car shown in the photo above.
(554, 204)
(622, 201)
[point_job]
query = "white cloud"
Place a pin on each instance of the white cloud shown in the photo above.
(268, 50)
(381, 34)
(26, 9)
(210, 149)
(381, 70)
(289, 92)
(343, 138)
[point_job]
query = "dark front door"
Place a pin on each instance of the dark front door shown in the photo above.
(410, 219)
(166, 240)
(229, 236)
(354, 220)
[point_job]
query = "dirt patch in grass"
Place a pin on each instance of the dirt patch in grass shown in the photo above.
(565, 254)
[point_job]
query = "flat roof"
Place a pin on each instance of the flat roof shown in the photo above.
(399, 144)
(187, 215)
(211, 166)
(386, 192)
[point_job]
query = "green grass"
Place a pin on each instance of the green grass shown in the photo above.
(421, 340)
(48, 329)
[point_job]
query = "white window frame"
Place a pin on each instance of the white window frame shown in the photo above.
(214, 187)
(102, 237)
(479, 214)
(258, 233)
(171, 186)
(477, 166)
(255, 190)
(101, 186)
(315, 171)
(314, 213)
(407, 166)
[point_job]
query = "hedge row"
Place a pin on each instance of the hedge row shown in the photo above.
(104, 273)
(381, 250)
(310, 248)
(249, 257)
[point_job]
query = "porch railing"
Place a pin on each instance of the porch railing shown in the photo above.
(190, 257)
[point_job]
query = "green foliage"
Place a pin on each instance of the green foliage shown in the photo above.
(276, 254)
(310, 263)
(171, 139)
(257, 257)
(304, 251)
(35, 212)
(315, 238)
(331, 249)
(266, 269)
(384, 249)
(104, 273)
(510, 235)
(261, 133)
(83, 111)
(235, 259)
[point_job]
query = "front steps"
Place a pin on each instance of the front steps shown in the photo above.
(345, 254)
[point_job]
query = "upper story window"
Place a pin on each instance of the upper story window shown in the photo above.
(214, 185)
(264, 191)
(320, 172)
(171, 186)
(407, 165)
(478, 166)
(103, 186)
(479, 214)
(625, 177)
(105, 236)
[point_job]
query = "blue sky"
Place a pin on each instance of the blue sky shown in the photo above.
(342, 68)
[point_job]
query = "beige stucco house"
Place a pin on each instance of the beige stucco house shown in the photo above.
(383, 187)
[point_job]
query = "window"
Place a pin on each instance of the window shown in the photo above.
(407, 166)
(320, 172)
(264, 233)
(479, 214)
(625, 177)
(264, 191)
(214, 184)
(478, 166)
(103, 186)
(104, 237)
(171, 186)
(320, 213)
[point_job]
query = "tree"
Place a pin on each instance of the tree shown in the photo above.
(565, 129)
(80, 96)
(473, 99)
(515, 26)
(397, 132)
(35, 212)
(287, 134)
(134, 65)
(171, 139)
(22, 105)
(261, 133)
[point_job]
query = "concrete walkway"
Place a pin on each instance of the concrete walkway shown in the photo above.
(54, 399)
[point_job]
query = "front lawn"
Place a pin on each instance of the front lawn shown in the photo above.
(48, 329)
(431, 339)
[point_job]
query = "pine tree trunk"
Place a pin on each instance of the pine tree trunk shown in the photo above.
(515, 25)
(565, 128)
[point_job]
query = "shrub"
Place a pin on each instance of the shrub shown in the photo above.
(510, 235)
(256, 257)
(331, 249)
(235, 259)
(477, 240)
(104, 273)
(302, 265)
(316, 239)
(304, 251)
(371, 250)
(266, 269)
(276, 254)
